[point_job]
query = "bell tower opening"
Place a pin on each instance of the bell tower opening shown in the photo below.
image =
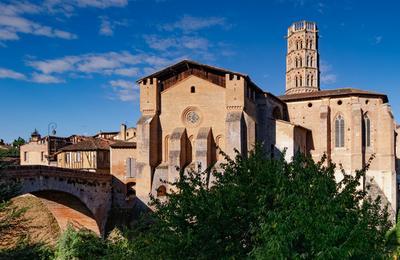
(302, 58)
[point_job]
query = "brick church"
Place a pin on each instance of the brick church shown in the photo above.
(190, 110)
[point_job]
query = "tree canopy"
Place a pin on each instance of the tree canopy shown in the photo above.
(262, 208)
(256, 208)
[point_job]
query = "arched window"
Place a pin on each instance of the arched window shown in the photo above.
(192, 89)
(166, 148)
(366, 131)
(308, 80)
(311, 61)
(339, 131)
(310, 44)
(311, 80)
(300, 81)
(301, 62)
(161, 191)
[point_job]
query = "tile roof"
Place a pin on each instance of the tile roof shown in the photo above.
(123, 144)
(185, 64)
(90, 144)
(333, 93)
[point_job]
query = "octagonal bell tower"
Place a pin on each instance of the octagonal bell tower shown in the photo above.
(302, 59)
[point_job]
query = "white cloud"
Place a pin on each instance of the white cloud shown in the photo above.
(125, 90)
(100, 3)
(103, 63)
(160, 44)
(54, 66)
(67, 7)
(188, 42)
(378, 39)
(12, 24)
(45, 78)
(7, 35)
(108, 64)
(190, 23)
(106, 28)
(327, 77)
(10, 74)
(195, 43)
(13, 21)
(129, 72)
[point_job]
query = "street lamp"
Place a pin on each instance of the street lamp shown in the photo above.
(51, 126)
(51, 129)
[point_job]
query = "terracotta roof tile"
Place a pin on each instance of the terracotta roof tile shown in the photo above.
(332, 93)
(90, 144)
(123, 144)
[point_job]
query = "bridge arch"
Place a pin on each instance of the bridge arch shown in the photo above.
(69, 194)
(68, 209)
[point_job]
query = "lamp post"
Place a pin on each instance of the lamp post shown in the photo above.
(51, 129)
(51, 126)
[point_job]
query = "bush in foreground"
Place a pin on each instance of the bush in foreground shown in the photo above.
(257, 208)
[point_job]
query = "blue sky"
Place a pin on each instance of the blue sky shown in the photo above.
(75, 62)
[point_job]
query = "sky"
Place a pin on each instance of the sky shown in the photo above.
(75, 62)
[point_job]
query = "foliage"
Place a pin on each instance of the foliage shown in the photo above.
(261, 208)
(12, 152)
(310, 215)
(393, 239)
(257, 208)
(18, 142)
(82, 244)
(27, 251)
(10, 216)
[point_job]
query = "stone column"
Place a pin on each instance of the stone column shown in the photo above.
(250, 131)
(235, 133)
(148, 154)
(179, 154)
(385, 153)
(356, 137)
(324, 132)
(205, 149)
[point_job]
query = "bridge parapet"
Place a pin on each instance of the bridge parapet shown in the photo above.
(28, 170)
(93, 189)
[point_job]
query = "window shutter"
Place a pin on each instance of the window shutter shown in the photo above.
(130, 168)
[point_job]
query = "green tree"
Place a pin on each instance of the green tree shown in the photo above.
(262, 208)
(9, 216)
(80, 244)
(393, 239)
(18, 142)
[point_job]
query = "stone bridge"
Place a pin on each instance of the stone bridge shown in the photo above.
(78, 197)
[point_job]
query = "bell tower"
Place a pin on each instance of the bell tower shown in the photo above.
(302, 59)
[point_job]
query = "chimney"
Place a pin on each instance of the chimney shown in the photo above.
(123, 132)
